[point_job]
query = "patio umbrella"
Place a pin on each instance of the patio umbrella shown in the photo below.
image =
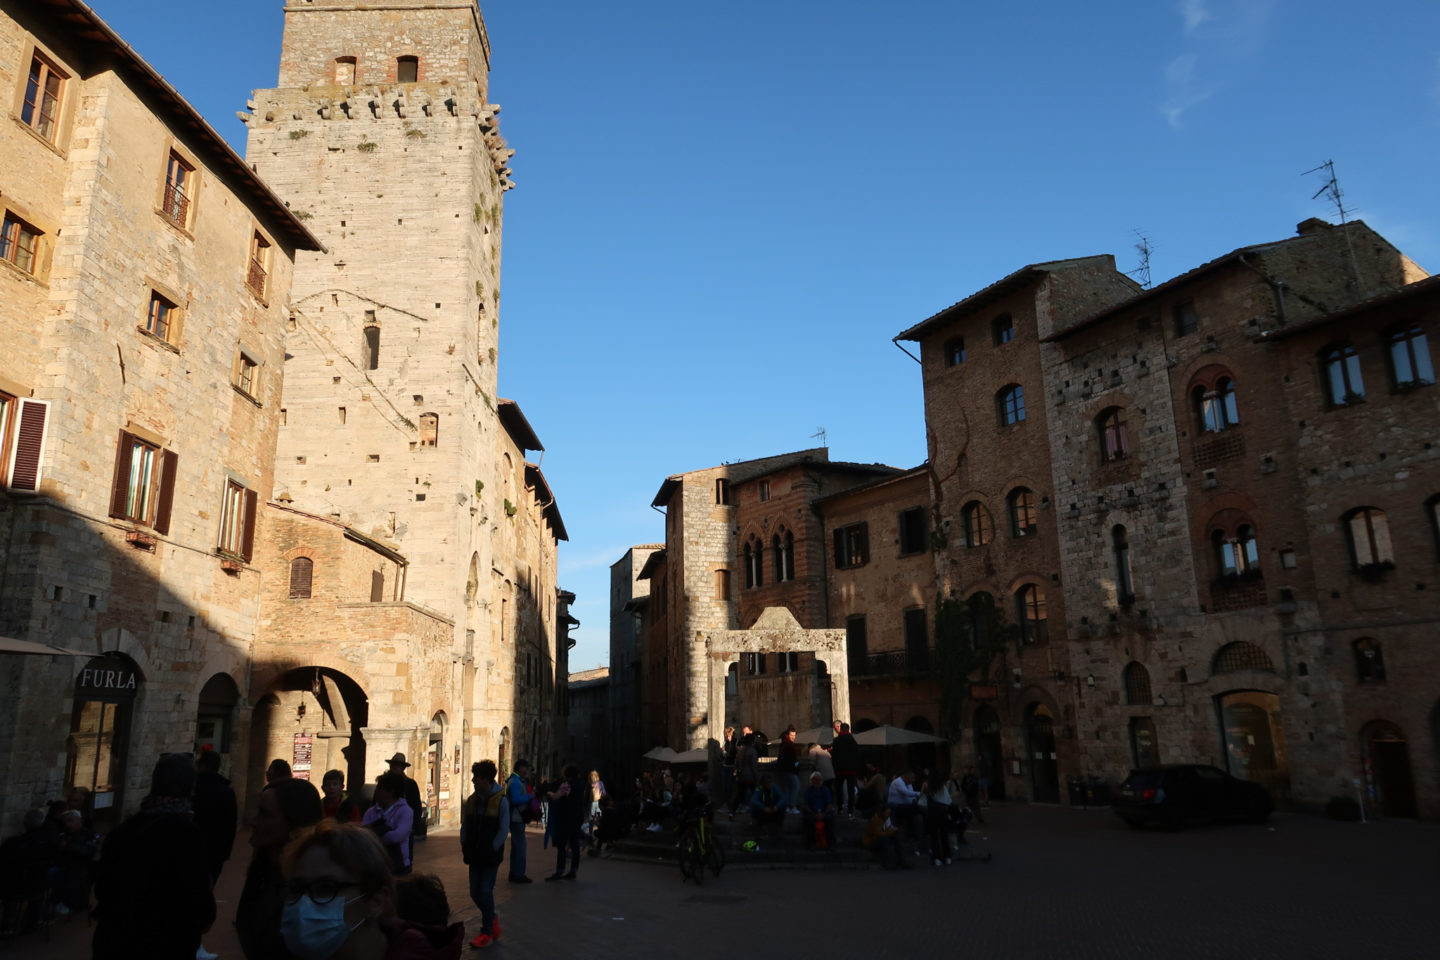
(698, 755)
(821, 735)
(888, 736)
(663, 754)
(11, 645)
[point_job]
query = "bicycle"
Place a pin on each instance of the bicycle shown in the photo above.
(698, 848)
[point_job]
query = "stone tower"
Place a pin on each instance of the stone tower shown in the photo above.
(381, 139)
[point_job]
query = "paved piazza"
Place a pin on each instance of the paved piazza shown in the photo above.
(1063, 883)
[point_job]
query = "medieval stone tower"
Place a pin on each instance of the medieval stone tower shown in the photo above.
(380, 137)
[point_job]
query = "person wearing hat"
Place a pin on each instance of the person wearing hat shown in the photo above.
(152, 885)
(412, 796)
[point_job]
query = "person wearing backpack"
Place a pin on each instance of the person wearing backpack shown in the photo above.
(483, 828)
(518, 796)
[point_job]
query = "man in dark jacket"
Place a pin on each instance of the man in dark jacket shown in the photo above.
(215, 812)
(845, 755)
(568, 803)
(152, 888)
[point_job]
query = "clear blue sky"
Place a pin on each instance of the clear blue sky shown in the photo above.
(725, 211)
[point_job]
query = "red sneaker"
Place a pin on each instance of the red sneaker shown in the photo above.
(482, 940)
(495, 929)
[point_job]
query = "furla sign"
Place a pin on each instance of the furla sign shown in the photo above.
(108, 678)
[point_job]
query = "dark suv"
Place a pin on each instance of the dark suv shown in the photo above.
(1175, 795)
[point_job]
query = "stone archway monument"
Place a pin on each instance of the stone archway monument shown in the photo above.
(776, 631)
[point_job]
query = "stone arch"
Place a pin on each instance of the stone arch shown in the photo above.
(1240, 656)
(317, 700)
(1136, 683)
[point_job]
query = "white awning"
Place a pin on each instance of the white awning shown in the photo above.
(11, 645)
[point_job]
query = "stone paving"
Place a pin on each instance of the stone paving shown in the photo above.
(1063, 883)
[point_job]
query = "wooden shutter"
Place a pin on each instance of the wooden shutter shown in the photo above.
(864, 544)
(29, 446)
(120, 485)
(377, 586)
(302, 570)
(839, 548)
(169, 462)
(247, 542)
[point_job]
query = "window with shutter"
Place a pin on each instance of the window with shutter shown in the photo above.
(377, 586)
(22, 440)
(302, 572)
(144, 483)
(232, 519)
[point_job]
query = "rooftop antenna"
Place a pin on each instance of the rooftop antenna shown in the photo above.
(1144, 248)
(820, 435)
(1332, 192)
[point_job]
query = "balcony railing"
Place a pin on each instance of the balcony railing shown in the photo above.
(891, 662)
(176, 205)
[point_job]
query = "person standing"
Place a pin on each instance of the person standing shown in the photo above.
(152, 886)
(483, 828)
(825, 766)
(788, 769)
(729, 751)
(278, 770)
(391, 819)
(970, 787)
(747, 773)
(339, 806)
(518, 792)
(398, 765)
(567, 812)
(216, 815)
(596, 793)
(285, 808)
(904, 802)
(845, 755)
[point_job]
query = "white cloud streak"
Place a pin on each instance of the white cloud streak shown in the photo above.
(1194, 13)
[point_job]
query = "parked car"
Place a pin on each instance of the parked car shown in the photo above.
(1180, 794)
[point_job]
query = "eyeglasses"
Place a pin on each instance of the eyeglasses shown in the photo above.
(322, 890)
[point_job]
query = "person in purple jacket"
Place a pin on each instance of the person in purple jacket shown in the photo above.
(391, 818)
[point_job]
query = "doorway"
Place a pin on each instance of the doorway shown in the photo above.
(989, 760)
(99, 743)
(1254, 740)
(1044, 764)
(1144, 752)
(1387, 771)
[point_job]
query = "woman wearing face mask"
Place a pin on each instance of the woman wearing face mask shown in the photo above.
(285, 808)
(340, 903)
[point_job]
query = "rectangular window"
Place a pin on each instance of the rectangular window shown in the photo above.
(19, 243)
(856, 644)
(160, 318)
(41, 110)
(179, 182)
(144, 484)
(917, 643)
(1186, 320)
(912, 531)
(722, 491)
(789, 662)
(722, 584)
(259, 264)
(22, 441)
(852, 546)
(764, 490)
(237, 521)
(247, 373)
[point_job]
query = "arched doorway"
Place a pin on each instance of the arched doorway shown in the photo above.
(921, 756)
(437, 784)
(502, 753)
(312, 718)
(1254, 741)
(1387, 771)
(215, 716)
(989, 761)
(1044, 765)
(97, 750)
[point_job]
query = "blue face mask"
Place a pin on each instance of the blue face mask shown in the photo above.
(315, 931)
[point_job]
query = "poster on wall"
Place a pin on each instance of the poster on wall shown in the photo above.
(300, 761)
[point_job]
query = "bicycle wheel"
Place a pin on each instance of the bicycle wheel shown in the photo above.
(715, 856)
(697, 864)
(689, 858)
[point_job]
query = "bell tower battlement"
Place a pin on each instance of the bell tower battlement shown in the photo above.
(345, 42)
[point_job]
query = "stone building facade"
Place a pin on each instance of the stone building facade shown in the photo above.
(381, 136)
(144, 290)
(588, 723)
(625, 741)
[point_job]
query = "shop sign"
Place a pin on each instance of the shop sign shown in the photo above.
(107, 678)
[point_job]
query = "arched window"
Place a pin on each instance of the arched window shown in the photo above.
(1410, 362)
(429, 429)
(302, 571)
(1215, 405)
(1021, 505)
(1010, 404)
(1030, 613)
(1343, 381)
(1003, 328)
(407, 69)
(1237, 552)
(1114, 435)
(344, 70)
(1137, 685)
(978, 528)
(1120, 548)
(954, 351)
(371, 359)
(782, 545)
(1240, 656)
(980, 608)
(1369, 536)
(754, 556)
(1369, 663)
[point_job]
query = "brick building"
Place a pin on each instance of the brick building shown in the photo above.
(144, 285)
(381, 136)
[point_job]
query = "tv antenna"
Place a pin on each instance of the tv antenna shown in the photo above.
(1144, 248)
(819, 434)
(1332, 192)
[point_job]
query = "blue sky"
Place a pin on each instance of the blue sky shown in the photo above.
(725, 211)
